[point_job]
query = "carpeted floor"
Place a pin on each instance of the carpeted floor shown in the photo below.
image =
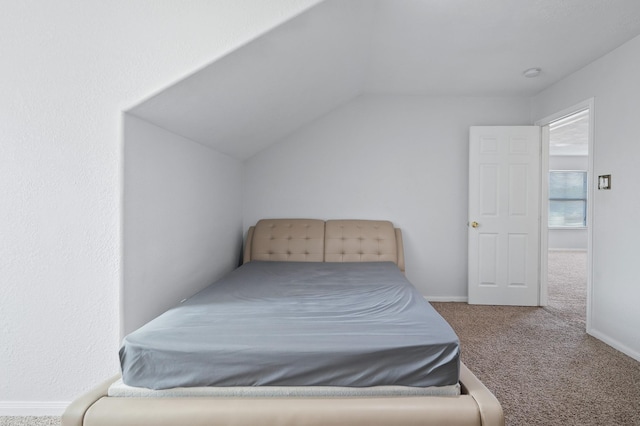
(539, 362)
(568, 286)
(30, 421)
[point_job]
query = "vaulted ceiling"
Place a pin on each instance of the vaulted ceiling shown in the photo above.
(339, 49)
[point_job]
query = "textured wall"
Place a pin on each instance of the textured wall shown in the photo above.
(69, 69)
(182, 220)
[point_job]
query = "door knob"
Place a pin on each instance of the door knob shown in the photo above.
(474, 224)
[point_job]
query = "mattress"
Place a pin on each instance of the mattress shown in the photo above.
(297, 324)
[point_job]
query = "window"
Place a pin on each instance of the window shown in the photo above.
(567, 199)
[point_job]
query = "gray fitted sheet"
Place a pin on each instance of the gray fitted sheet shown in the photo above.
(297, 324)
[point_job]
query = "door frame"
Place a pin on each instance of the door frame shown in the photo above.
(544, 199)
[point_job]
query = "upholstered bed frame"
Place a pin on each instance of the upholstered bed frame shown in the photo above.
(314, 241)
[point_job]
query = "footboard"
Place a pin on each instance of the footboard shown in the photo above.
(475, 407)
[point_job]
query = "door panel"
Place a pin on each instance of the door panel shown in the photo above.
(504, 210)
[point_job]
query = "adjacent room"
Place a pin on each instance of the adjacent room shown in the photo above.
(568, 207)
(142, 140)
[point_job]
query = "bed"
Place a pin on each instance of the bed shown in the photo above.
(347, 275)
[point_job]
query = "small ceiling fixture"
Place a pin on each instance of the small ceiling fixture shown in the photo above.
(531, 72)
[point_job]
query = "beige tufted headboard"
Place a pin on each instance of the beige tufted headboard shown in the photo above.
(313, 240)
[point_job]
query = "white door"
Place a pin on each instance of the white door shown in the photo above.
(504, 212)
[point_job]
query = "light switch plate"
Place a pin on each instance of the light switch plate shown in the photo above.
(604, 182)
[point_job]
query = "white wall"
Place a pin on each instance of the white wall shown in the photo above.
(613, 81)
(182, 223)
(568, 238)
(401, 158)
(69, 68)
(568, 162)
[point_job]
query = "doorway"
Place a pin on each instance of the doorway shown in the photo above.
(567, 158)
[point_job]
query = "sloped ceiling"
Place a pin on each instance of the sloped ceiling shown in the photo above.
(481, 47)
(339, 49)
(254, 96)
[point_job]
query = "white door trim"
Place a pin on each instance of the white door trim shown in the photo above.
(544, 215)
(544, 201)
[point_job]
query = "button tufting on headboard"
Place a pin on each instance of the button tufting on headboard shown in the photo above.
(360, 241)
(314, 240)
(296, 240)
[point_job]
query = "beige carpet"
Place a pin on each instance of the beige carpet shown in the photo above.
(29, 421)
(540, 363)
(568, 286)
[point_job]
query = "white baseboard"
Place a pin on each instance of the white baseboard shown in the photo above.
(32, 408)
(615, 344)
(447, 298)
